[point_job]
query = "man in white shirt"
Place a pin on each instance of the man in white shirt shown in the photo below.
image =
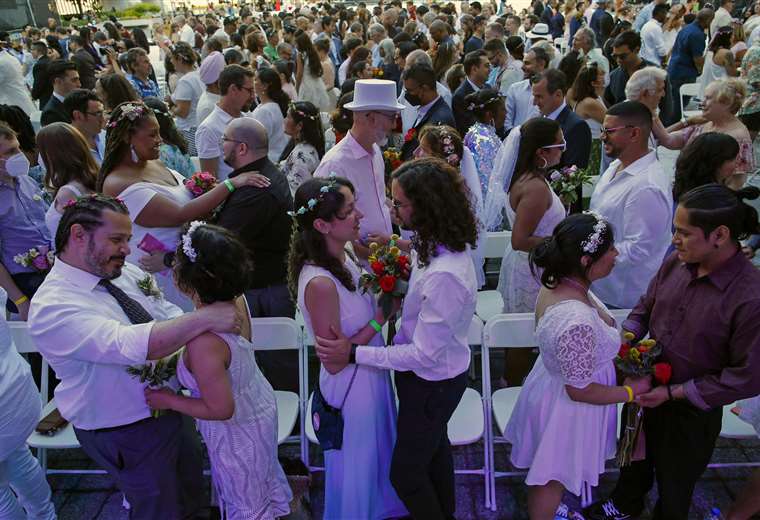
(14, 91)
(723, 16)
(634, 196)
(505, 71)
(376, 34)
(519, 100)
(91, 320)
(430, 355)
(653, 48)
(186, 33)
(236, 87)
(584, 42)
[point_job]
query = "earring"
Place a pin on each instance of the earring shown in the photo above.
(546, 163)
(135, 158)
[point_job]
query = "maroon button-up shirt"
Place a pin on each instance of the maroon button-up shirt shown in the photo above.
(709, 328)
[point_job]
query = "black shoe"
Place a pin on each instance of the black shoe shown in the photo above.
(606, 510)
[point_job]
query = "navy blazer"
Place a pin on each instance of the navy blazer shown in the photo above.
(464, 118)
(578, 138)
(54, 112)
(439, 114)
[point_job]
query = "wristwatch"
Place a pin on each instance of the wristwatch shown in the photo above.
(169, 259)
(352, 354)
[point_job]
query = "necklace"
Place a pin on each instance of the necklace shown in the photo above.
(577, 285)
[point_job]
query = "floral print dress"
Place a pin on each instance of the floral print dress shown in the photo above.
(484, 144)
(300, 165)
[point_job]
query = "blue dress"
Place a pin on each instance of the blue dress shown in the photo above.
(174, 159)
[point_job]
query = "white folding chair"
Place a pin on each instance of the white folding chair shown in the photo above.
(490, 303)
(64, 438)
(736, 429)
(691, 90)
(270, 334)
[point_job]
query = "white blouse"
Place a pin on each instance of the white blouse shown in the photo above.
(270, 115)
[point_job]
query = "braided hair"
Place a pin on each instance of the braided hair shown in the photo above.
(306, 243)
(120, 128)
(86, 211)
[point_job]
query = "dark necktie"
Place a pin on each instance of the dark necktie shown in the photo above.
(131, 307)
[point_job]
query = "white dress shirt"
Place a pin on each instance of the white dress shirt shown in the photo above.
(208, 139)
(87, 338)
(557, 111)
(653, 47)
(638, 203)
(519, 103)
(14, 91)
(438, 309)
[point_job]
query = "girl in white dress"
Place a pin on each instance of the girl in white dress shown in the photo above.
(271, 110)
(70, 169)
(563, 425)
(309, 74)
(325, 278)
(234, 405)
(158, 201)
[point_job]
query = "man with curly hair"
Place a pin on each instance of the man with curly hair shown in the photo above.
(431, 355)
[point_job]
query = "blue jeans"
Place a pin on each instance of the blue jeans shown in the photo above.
(20, 473)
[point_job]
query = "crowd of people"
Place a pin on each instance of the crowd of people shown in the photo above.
(160, 186)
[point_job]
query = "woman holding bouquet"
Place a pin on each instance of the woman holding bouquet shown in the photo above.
(324, 279)
(519, 185)
(234, 405)
(569, 396)
(158, 201)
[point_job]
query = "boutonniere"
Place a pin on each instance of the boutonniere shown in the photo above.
(411, 134)
(148, 286)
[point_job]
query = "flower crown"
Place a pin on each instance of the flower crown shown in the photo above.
(292, 106)
(594, 240)
(312, 203)
(448, 149)
(129, 111)
(187, 240)
(478, 106)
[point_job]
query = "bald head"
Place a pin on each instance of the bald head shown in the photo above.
(246, 141)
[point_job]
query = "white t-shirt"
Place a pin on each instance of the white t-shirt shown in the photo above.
(208, 139)
(269, 115)
(187, 35)
(189, 88)
(206, 105)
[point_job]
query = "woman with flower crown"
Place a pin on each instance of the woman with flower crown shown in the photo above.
(563, 424)
(518, 186)
(488, 107)
(158, 201)
(233, 404)
(324, 279)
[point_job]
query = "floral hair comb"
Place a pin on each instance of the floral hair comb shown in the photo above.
(478, 106)
(187, 240)
(312, 203)
(292, 106)
(594, 240)
(448, 149)
(129, 111)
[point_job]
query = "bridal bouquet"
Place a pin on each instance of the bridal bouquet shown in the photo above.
(200, 183)
(390, 274)
(565, 183)
(156, 374)
(639, 360)
(40, 258)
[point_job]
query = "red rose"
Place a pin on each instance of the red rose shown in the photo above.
(403, 260)
(642, 348)
(387, 283)
(624, 348)
(662, 372)
(395, 164)
(378, 267)
(410, 134)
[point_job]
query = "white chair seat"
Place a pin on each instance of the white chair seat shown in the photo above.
(466, 425)
(63, 438)
(287, 413)
(503, 402)
(309, 426)
(489, 304)
(735, 428)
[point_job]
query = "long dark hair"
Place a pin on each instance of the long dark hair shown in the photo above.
(168, 129)
(20, 123)
(714, 205)
(138, 35)
(304, 46)
(120, 128)
(117, 90)
(271, 78)
(560, 254)
(307, 114)
(535, 134)
(306, 243)
(583, 87)
(443, 214)
(701, 159)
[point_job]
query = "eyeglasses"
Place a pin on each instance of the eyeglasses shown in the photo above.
(99, 113)
(398, 204)
(562, 146)
(608, 131)
(249, 89)
(225, 139)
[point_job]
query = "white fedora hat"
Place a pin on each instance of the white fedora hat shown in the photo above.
(539, 31)
(374, 94)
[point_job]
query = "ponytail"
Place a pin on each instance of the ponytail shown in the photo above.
(713, 205)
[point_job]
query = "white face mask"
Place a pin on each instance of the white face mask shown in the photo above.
(17, 165)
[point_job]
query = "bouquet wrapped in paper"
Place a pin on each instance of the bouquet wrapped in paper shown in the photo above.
(637, 360)
(157, 374)
(565, 183)
(389, 276)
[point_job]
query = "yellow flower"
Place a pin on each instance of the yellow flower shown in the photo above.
(395, 251)
(634, 354)
(628, 336)
(395, 237)
(372, 258)
(649, 342)
(373, 246)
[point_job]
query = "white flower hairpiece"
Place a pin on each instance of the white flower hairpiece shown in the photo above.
(594, 240)
(129, 111)
(448, 149)
(187, 240)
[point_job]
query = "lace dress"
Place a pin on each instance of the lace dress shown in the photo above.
(357, 477)
(517, 285)
(576, 348)
(245, 472)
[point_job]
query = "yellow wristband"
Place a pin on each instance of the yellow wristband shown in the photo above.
(20, 300)
(630, 393)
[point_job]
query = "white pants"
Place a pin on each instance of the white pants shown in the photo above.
(23, 487)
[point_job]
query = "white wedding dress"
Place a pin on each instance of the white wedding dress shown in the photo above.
(313, 89)
(577, 348)
(517, 285)
(245, 472)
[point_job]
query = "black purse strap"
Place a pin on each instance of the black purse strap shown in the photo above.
(350, 384)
